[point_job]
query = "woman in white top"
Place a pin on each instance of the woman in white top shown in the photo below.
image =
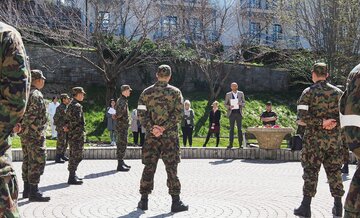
(187, 123)
(51, 110)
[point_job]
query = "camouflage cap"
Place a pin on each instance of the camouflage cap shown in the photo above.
(125, 87)
(37, 74)
(164, 70)
(268, 103)
(76, 90)
(64, 95)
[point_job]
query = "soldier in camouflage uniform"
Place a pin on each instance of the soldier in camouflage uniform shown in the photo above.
(14, 93)
(33, 139)
(75, 127)
(318, 111)
(59, 122)
(350, 123)
(122, 126)
(160, 109)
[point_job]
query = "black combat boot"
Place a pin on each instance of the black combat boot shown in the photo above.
(143, 203)
(26, 190)
(304, 209)
(337, 209)
(125, 165)
(64, 157)
(121, 166)
(58, 159)
(36, 195)
(345, 169)
(177, 205)
(74, 180)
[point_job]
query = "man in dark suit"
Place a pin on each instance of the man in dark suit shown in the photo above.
(234, 102)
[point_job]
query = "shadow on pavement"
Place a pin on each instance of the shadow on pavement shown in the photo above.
(345, 177)
(54, 187)
(101, 174)
(51, 163)
(264, 161)
(23, 202)
(224, 161)
(135, 213)
(163, 215)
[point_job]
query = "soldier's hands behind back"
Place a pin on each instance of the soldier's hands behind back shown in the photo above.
(329, 124)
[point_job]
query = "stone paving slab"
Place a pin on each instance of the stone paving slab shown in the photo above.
(212, 188)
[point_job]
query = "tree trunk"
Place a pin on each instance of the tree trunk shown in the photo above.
(110, 90)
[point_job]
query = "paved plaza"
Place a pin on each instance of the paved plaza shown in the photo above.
(212, 188)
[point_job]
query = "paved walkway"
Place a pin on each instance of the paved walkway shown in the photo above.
(212, 188)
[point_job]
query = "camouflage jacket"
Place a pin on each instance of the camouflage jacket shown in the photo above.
(75, 120)
(14, 89)
(34, 121)
(350, 110)
(319, 102)
(59, 117)
(161, 104)
(122, 112)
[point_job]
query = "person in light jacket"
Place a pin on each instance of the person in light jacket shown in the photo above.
(111, 121)
(187, 123)
(137, 129)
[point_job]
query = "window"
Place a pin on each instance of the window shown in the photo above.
(169, 25)
(105, 20)
(195, 28)
(277, 32)
(255, 3)
(255, 30)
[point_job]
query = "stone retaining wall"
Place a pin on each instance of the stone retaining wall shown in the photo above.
(188, 153)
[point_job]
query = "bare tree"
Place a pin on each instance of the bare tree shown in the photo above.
(116, 30)
(332, 28)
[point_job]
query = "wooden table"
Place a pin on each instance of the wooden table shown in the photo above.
(269, 138)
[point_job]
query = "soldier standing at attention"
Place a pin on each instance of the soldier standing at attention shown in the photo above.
(59, 122)
(350, 122)
(122, 126)
(33, 139)
(75, 127)
(160, 110)
(318, 111)
(14, 93)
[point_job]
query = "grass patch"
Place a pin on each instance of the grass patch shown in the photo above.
(284, 104)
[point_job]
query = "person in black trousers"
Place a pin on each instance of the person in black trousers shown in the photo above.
(187, 123)
(214, 124)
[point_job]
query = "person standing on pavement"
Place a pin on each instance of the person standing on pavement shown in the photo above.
(14, 95)
(235, 102)
(32, 139)
(75, 128)
(111, 122)
(51, 110)
(137, 129)
(160, 108)
(122, 127)
(60, 122)
(187, 123)
(350, 124)
(318, 111)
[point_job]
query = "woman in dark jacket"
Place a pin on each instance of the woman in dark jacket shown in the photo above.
(110, 112)
(214, 123)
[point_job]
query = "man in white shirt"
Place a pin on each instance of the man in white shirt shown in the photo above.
(51, 110)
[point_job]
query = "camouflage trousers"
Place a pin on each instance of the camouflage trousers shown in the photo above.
(168, 150)
(34, 158)
(61, 143)
(346, 154)
(9, 194)
(352, 202)
(121, 142)
(76, 145)
(322, 150)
